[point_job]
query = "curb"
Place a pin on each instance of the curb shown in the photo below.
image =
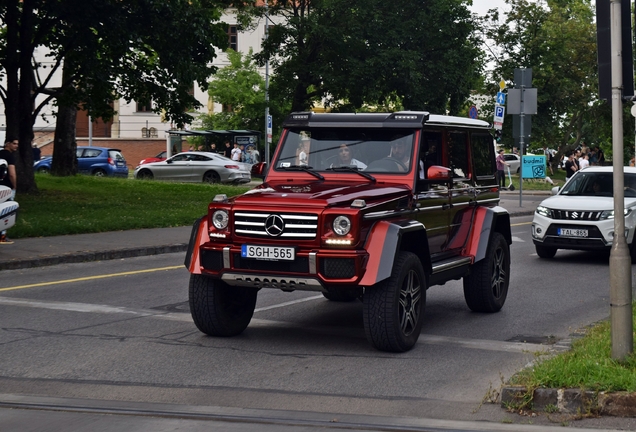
(79, 257)
(570, 401)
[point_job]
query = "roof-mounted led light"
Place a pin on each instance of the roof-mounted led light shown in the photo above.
(359, 203)
(300, 116)
(406, 117)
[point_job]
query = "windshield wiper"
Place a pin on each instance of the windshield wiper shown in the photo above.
(352, 169)
(305, 168)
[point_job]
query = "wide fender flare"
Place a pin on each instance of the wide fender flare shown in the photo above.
(486, 221)
(198, 237)
(384, 241)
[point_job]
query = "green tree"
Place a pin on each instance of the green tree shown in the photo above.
(241, 90)
(143, 50)
(352, 53)
(557, 39)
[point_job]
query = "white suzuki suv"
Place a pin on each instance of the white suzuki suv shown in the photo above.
(581, 214)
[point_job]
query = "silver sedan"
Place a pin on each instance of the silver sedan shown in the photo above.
(195, 167)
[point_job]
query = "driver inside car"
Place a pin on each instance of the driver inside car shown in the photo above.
(400, 152)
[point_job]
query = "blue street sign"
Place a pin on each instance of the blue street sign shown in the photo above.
(501, 98)
(472, 112)
(533, 166)
(499, 114)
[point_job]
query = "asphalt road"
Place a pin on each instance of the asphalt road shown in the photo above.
(111, 343)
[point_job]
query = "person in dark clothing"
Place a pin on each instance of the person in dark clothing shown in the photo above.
(570, 166)
(227, 151)
(37, 153)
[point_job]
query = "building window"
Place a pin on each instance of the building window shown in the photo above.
(144, 107)
(233, 37)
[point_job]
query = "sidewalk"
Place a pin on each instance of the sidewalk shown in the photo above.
(45, 251)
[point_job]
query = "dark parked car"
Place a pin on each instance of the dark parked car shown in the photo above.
(97, 161)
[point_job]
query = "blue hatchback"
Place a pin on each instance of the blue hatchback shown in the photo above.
(97, 161)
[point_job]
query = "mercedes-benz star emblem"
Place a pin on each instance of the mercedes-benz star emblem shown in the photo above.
(274, 225)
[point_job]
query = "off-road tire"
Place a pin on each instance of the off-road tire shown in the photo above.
(486, 287)
(545, 251)
(219, 309)
(394, 308)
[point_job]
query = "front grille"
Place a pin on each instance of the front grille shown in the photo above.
(297, 226)
(299, 265)
(581, 215)
(338, 268)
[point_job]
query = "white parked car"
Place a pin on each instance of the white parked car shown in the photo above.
(514, 162)
(581, 214)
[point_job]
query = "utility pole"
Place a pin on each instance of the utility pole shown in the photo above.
(620, 261)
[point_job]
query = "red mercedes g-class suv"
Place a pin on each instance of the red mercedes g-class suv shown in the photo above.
(377, 207)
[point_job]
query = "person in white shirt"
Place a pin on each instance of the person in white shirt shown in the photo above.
(236, 153)
(302, 151)
(584, 161)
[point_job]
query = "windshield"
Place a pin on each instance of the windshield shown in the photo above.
(327, 150)
(598, 184)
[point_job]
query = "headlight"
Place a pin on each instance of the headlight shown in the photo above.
(543, 211)
(342, 225)
(609, 214)
(220, 219)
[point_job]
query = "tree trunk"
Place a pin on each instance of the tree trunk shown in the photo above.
(64, 147)
(26, 116)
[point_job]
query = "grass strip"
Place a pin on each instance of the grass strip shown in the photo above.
(588, 365)
(84, 204)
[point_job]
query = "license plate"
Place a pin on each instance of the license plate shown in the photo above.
(570, 232)
(269, 253)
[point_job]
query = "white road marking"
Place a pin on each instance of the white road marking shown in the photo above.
(517, 239)
(289, 303)
(480, 344)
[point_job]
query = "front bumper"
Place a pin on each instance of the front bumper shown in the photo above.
(545, 232)
(311, 270)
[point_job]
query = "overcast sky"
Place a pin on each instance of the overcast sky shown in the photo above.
(480, 7)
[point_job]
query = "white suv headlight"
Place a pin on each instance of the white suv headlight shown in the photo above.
(220, 219)
(341, 225)
(609, 214)
(543, 211)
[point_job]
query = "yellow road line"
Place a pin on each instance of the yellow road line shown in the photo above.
(522, 223)
(90, 278)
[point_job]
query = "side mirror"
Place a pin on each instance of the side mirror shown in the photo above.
(259, 169)
(169, 161)
(555, 190)
(437, 172)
